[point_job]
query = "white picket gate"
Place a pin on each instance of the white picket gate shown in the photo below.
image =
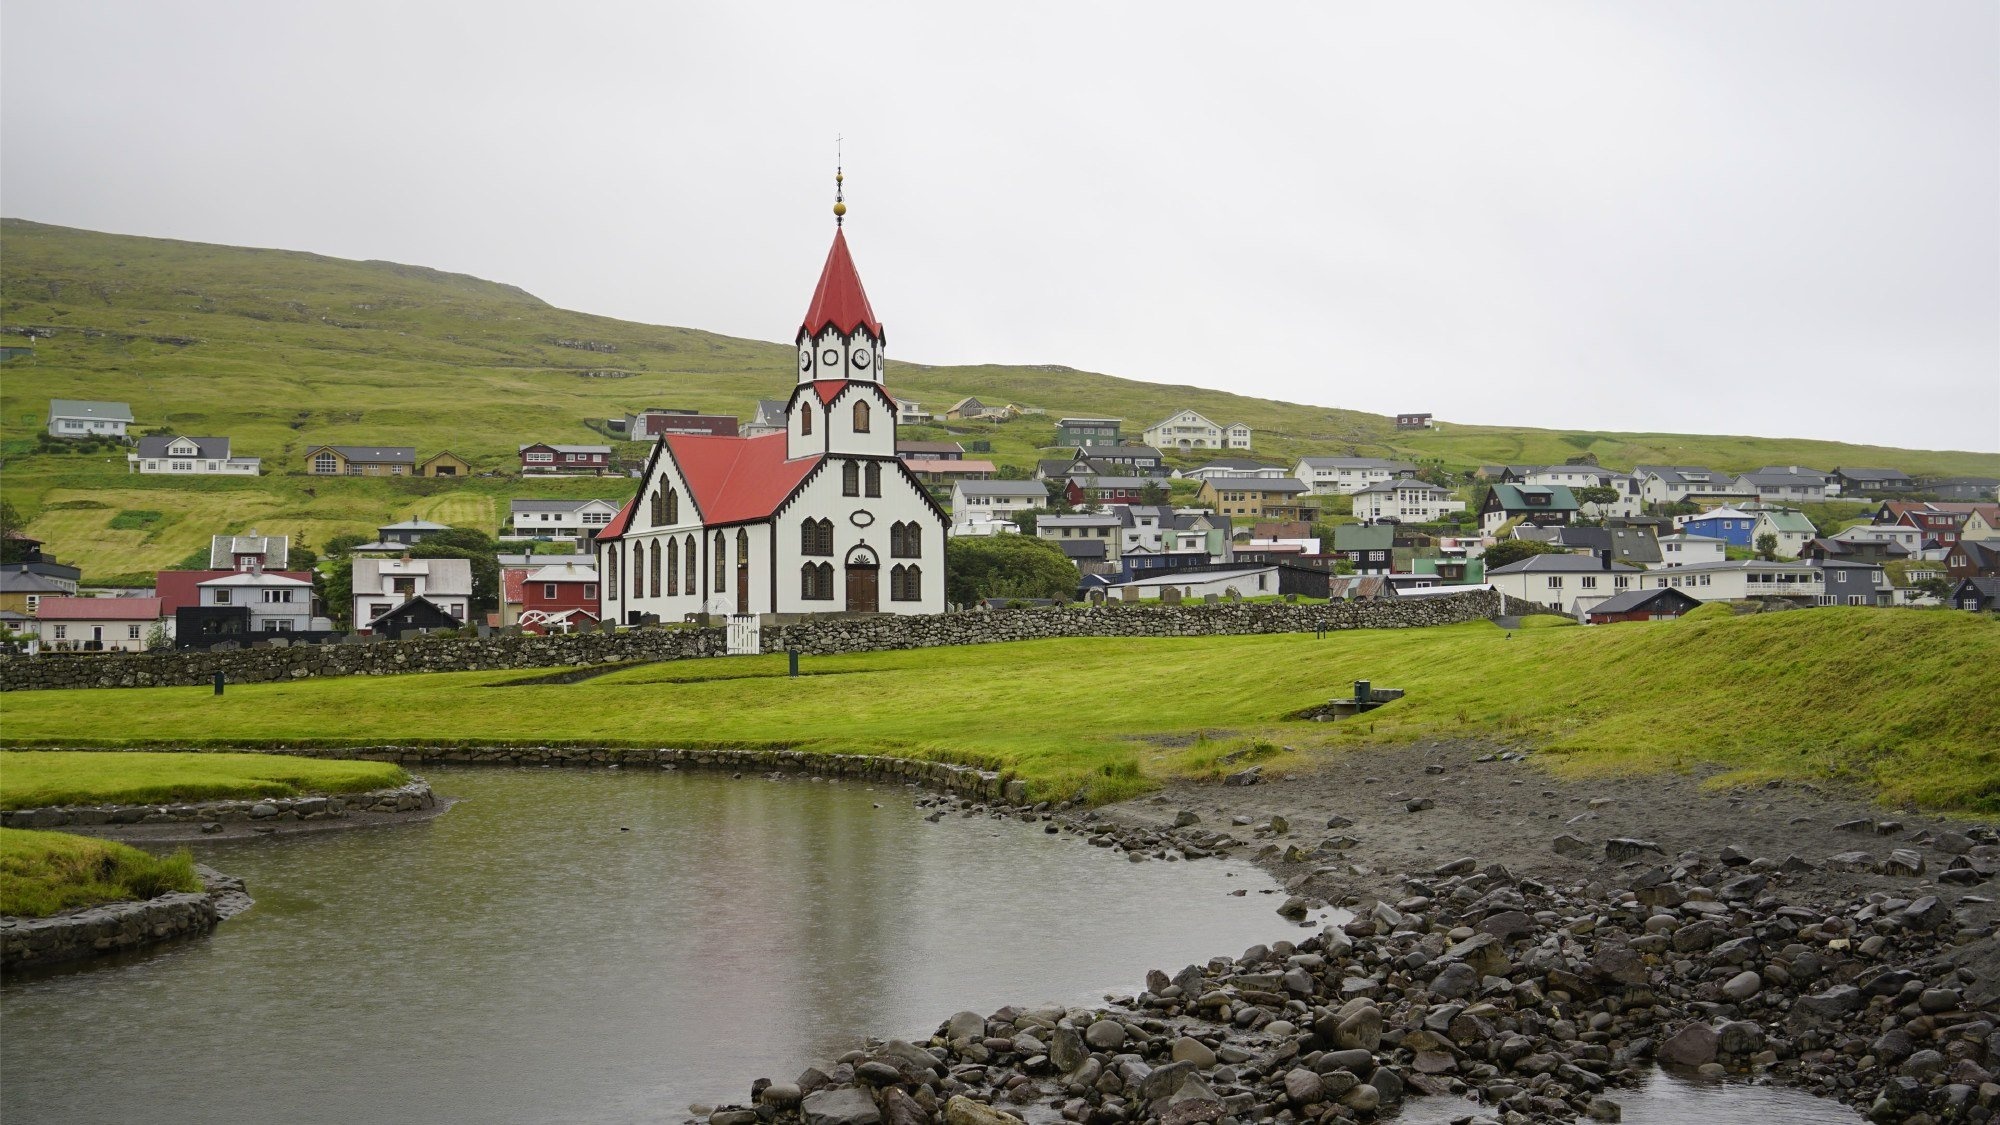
(745, 634)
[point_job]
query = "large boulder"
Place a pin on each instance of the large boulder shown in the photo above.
(848, 1105)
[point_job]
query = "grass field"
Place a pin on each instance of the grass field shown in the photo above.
(36, 780)
(1899, 702)
(280, 351)
(42, 873)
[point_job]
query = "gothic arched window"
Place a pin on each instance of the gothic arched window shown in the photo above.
(906, 584)
(673, 566)
(850, 478)
(688, 566)
(808, 537)
(721, 557)
(659, 509)
(611, 572)
(656, 570)
(874, 477)
(742, 547)
(809, 582)
(806, 419)
(673, 506)
(860, 417)
(639, 571)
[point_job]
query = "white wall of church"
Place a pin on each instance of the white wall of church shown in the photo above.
(901, 501)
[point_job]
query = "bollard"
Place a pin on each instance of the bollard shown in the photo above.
(218, 683)
(794, 654)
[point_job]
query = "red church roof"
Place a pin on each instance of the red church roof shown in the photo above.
(839, 299)
(616, 528)
(737, 478)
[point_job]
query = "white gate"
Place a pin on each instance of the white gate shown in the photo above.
(744, 634)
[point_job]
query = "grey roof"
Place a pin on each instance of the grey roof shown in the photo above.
(1562, 564)
(1123, 449)
(1015, 488)
(415, 525)
(1258, 484)
(1630, 600)
(1355, 463)
(206, 448)
(85, 408)
(566, 448)
(1080, 420)
(1363, 537)
(1116, 482)
(770, 412)
(1674, 474)
(1082, 548)
(223, 549)
(1872, 474)
(1394, 485)
(25, 582)
(377, 454)
(555, 505)
(446, 577)
(1785, 477)
(1077, 519)
(1626, 544)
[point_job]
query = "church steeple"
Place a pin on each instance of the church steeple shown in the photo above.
(840, 337)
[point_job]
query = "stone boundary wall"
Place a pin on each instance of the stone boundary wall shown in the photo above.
(116, 927)
(403, 798)
(817, 636)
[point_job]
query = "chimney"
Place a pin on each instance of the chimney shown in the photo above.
(1605, 556)
(257, 565)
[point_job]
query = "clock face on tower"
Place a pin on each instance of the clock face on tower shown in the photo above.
(806, 358)
(829, 357)
(861, 357)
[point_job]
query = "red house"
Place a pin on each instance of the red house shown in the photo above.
(1642, 605)
(544, 458)
(562, 598)
(1086, 491)
(649, 424)
(178, 589)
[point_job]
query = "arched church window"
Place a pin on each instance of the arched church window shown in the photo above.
(611, 573)
(688, 566)
(850, 478)
(721, 549)
(639, 571)
(860, 417)
(673, 566)
(742, 547)
(658, 509)
(656, 570)
(673, 507)
(874, 478)
(806, 419)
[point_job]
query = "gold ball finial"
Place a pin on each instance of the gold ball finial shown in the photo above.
(839, 177)
(839, 209)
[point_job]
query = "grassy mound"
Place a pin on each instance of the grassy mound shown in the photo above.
(35, 780)
(1899, 701)
(42, 873)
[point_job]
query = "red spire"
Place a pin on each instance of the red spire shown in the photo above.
(839, 300)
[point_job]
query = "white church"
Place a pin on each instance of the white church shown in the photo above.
(820, 518)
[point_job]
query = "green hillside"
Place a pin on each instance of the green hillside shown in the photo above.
(280, 351)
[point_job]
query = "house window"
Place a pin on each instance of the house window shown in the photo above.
(377, 609)
(850, 478)
(816, 537)
(540, 458)
(34, 600)
(657, 507)
(590, 593)
(132, 631)
(906, 540)
(221, 597)
(1590, 582)
(548, 591)
(874, 473)
(62, 631)
(1555, 582)
(326, 463)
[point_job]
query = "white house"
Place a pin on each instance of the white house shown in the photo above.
(910, 412)
(558, 519)
(277, 604)
(1791, 484)
(208, 456)
(769, 418)
(1248, 581)
(984, 501)
(1665, 484)
(1629, 502)
(381, 585)
(1105, 528)
(98, 624)
(1348, 475)
(1790, 528)
(1235, 467)
(1570, 583)
(1405, 501)
(1189, 430)
(821, 518)
(1735, 581)
(1691, 550)
(69, 417)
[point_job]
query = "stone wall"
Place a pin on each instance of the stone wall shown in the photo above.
(403, 798)
(117, 927)
(817, 636)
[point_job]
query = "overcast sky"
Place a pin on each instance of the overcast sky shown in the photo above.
(1777, 218)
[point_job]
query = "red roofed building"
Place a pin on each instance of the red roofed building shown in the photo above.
(178, 589)
(99, 624)
(822, 517)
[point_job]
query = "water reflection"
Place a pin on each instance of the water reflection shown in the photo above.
(1665, 1098)
(598, 946)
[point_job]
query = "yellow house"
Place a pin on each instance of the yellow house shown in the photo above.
(444, 463)
(361, 460)
(1982, 525)
(1259, 498)
(22, 591)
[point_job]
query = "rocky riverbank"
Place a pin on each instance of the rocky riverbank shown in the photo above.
(1554, 940)
(121, 927)
(236, 818)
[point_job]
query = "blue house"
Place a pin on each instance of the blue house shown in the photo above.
(1731, 525)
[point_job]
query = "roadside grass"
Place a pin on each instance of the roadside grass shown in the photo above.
(36, 779)
(44, 873)
(1897, 702)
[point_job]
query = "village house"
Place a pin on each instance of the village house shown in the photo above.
(650, 423)
(22, 591)
(1938, 522)
(382, 587)
(930, 451)
(568, 460)
(1295, 534)
(941, 473)
(1641, 605)
(1684, 549)
(81, 418)
(1124, 460)
(1973, 560)
(769, 418)
(1570, 583)
(1733, 526)
(1083, 527)
(1982, 524)
(1348, 475)
(1541, 505)
(910, 412)
(984, 503)
(1405, 501)
(201, 456)
(1368, 548)
(558, 519)
(1635, 545)
(361, 460)
(969, 409)
(1191, 584)
(1413, 421)
(559, 598)
(1088, 431)
(250, 552)
(1189, 430)
(1973, 490)
(408, 532)
(98, 624)
(1904, 537)
(1740, 579)
(824, 517)
(1789, 484)
(1790, 528)
(1975, 594)
(1823, 548)
(1855, 483)
(1628, 503)
(1670, 484)
(263, 602)
(1854, 583)
(1155, 536)
(1259, 498)
(1094, 490)
(444, 463)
